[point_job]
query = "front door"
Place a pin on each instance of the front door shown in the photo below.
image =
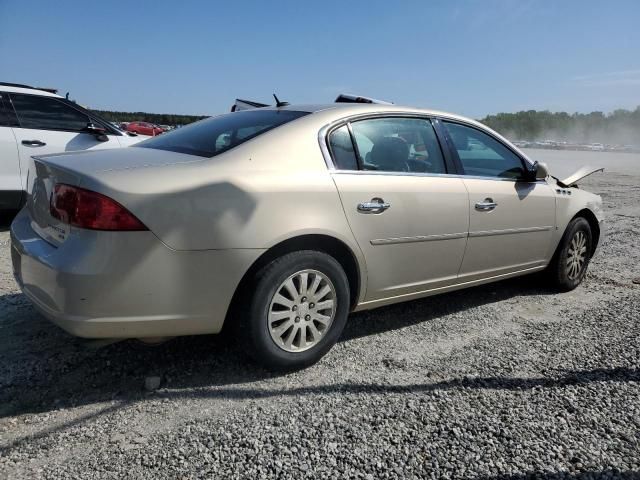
(10, 185)
(511, 220)
(408, 216)
(47, 125)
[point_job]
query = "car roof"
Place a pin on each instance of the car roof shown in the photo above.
(347, 109)
(18, 88)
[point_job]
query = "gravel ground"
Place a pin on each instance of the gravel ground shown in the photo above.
(506, 381)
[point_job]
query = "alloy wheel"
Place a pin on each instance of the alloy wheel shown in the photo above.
(576, 255)
(302, 310)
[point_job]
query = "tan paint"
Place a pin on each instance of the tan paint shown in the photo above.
(210, 219)
(516, 233)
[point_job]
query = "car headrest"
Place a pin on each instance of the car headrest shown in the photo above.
(390, 153)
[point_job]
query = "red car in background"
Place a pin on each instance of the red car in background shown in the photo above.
(144, 128)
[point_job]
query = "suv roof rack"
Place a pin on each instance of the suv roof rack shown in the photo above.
(17, 85)
(347, 98)
(20, 85)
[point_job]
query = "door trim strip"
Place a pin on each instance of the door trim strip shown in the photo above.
(452, 236)
(508, 231)
(420, 238)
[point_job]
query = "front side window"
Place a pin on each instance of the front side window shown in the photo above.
(4, 117)
(482, 155)
(47, 113)
(213, 136)
(398, 145)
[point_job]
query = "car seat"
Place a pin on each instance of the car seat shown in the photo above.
(390, 154)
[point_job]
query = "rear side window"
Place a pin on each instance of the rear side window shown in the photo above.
(213, 136)
(398, 145)
(47, 113)
(342, 151)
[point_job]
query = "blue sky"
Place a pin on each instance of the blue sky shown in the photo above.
(196, 57)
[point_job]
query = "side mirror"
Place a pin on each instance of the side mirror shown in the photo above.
(540, 170)
(99, 132)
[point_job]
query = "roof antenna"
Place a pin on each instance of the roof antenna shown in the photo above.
(279, 103)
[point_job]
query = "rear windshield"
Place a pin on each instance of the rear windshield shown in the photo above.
(212, 136)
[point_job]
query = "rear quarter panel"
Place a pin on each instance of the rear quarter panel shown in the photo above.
(253, 196)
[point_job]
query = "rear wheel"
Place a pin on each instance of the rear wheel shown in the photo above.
(296, 311)
(569, 264)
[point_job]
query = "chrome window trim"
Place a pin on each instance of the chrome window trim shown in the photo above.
(323, 142)
(525, 162)
(436, 175)
(324, 132)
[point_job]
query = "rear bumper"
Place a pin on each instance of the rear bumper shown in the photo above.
(125, 284)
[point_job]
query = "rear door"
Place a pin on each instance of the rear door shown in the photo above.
(49, 125)
(511, 219)
(407, 214)
(10, 183)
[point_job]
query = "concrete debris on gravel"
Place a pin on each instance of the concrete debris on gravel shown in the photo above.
(507, 381)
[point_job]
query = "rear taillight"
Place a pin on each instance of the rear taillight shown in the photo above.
(86, 209)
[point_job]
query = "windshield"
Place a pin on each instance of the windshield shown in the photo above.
(213, 136)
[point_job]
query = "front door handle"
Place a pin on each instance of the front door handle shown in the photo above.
(33, 143)
(376, 205)
(486, 204)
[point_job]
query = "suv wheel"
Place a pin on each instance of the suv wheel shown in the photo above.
(297, 311)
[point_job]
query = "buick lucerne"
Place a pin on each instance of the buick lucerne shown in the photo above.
(279, 221)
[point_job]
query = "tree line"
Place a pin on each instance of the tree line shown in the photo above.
(157, 118)
(618, 127)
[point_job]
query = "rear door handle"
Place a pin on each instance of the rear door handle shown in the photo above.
(33, 143)
(376, 205)
(486, 204)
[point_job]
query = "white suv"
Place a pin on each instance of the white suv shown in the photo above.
(35, 121)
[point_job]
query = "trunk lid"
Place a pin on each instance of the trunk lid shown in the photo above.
(82, 168)
(90, 162)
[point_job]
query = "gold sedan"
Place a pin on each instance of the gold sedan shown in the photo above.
(279, 221)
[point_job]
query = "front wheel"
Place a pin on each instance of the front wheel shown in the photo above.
(569, 264)
(296, 311)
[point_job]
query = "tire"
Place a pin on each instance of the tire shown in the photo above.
(564, 273)
(283, 329)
